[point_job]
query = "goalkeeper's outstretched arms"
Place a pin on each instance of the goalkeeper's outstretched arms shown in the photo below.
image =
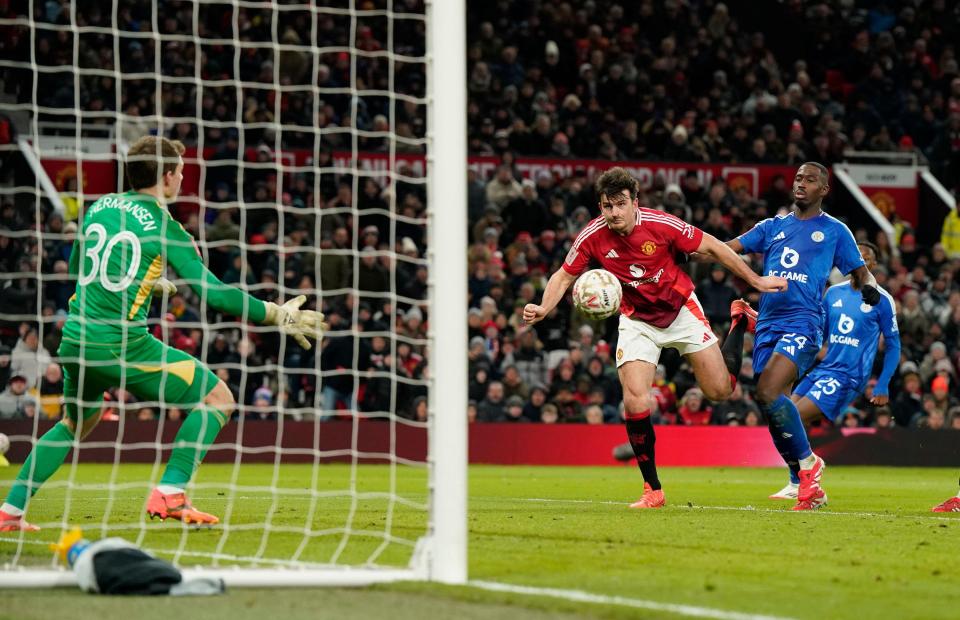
(182, 255)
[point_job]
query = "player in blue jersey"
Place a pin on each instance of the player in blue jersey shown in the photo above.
(802, 247)
(852, 332)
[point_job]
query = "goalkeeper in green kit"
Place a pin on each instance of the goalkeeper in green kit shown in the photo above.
(122, 248)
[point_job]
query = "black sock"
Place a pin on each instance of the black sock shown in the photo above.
(732, 349)
(642, 439)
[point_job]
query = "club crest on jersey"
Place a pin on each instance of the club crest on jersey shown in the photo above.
(648, 247)
(619, 354)
(817, 236)
(865, 308)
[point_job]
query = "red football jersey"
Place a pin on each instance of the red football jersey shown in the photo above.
(654, 287)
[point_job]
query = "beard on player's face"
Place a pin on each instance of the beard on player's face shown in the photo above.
(618, 218)
(807, 196)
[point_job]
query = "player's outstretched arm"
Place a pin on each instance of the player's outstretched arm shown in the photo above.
(724, 254)
(558, 284)
(297, 323)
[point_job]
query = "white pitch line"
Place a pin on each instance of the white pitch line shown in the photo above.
(580, 596)
(839, 513)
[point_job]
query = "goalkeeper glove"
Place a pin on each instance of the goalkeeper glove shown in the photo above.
(871, 295)
(292, 321)
(164, 287)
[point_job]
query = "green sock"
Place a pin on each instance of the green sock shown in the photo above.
(48, 454)
(191, 443)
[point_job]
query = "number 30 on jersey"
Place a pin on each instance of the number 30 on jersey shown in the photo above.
(99, 254)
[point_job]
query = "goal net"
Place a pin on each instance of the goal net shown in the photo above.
(317, 150)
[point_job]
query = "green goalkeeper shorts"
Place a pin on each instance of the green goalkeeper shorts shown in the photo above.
(155, 373)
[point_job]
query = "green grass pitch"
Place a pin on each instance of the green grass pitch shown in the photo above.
(719, 547)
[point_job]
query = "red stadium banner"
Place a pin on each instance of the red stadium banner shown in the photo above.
(755, 178)
(100, 177)
(511, 444)
(583, 444)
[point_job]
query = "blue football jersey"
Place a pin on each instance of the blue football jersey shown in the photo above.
(803, 252)
(853, 331)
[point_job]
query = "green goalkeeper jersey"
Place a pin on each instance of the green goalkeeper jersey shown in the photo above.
(125, 243)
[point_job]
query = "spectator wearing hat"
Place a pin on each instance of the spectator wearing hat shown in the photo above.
(675, 203)
(418, 409)
(936, 357)
(679, 148)
(262, 404)
(370, 236)
(851, 417)
(943, 400)
(909, 252)
(908, 405)
(514, 410)
(533, 407)
(15, 401)
(694, 411)
(522, 243)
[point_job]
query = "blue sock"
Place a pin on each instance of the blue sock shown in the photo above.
(794, 472)
(789, 435)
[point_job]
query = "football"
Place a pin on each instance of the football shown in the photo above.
(597, 294)
(4, 444)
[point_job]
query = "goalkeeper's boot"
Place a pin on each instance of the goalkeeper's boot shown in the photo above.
(951, 505)
(15, 523)
(787, 492)
(810, 495)
(650, 498)
(177, 506)
(741, 308)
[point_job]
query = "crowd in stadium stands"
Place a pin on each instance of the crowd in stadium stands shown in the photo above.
(672, 80)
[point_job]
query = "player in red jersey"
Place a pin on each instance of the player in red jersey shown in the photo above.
(659, 308)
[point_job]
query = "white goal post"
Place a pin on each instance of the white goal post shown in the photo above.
(440, 554)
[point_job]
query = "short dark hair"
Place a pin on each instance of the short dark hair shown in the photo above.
(151, 157)
(614, 181)
(873, 248)
(824, 171)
